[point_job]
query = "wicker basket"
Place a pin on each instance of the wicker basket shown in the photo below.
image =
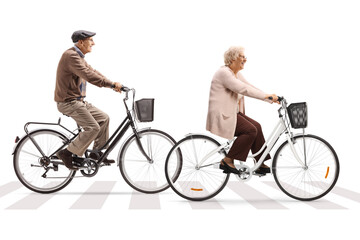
(145, 109)
(298, 115)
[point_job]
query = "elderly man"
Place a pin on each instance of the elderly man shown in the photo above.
(73, 73)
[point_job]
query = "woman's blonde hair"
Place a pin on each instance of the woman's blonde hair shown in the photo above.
(232, 54)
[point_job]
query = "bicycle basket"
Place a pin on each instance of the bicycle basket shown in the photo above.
(145, 109)
(298, 115)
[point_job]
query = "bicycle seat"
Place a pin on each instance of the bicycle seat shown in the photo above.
(73, 119)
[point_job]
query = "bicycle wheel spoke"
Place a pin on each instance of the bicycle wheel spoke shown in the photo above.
(137, 160)
(32, 154)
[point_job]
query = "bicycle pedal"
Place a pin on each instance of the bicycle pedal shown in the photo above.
(78, 160)
(105, 164)
(259, 174)
(76, 164)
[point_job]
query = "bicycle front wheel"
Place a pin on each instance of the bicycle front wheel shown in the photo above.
(196, 176)
(138, 172)
(318, 175)
(43, 174)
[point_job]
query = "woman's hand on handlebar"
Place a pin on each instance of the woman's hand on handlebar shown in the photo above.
(273, 98)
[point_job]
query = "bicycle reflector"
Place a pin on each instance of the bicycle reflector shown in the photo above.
(197, 189)
(327, 172)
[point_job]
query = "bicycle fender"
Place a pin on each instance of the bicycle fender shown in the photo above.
(17, 143)
(26, 135)
(300, 134)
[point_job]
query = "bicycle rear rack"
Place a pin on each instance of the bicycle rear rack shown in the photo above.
(51, 124)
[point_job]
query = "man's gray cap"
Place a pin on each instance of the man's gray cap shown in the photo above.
(81, 34)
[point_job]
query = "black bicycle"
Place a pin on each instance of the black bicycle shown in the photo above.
(141, 158)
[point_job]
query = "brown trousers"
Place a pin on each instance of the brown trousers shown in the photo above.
(94, 122)
(249, 137)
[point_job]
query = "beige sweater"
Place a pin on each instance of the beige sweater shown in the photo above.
(72, 73)
(226, 99)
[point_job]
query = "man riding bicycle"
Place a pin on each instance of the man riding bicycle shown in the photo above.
(72, 75)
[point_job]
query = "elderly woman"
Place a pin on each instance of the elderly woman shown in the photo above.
(226, 114)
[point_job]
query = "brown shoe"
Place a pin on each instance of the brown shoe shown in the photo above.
(227, 169)
(95, 157)
(263, 169)
(66, 156)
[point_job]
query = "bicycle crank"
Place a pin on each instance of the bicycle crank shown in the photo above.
(245, 173)
(89, 168)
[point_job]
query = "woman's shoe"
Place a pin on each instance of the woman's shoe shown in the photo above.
(227, 168)
(262, 170)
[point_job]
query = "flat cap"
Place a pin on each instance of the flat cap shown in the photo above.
(81, 34)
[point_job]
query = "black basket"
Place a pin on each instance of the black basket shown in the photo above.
(298, 115)
(145, 109)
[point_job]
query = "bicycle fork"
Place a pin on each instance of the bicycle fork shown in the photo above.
(139, 144)
(293, 150)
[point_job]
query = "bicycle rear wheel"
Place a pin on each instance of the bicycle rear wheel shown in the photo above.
(192, 178)
(138, 172)
(319, 175)
(31, 167)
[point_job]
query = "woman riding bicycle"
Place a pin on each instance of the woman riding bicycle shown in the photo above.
(226, 113)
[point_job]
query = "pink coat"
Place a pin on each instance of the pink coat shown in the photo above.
(226, 99)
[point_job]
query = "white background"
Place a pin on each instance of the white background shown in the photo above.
(305, 50)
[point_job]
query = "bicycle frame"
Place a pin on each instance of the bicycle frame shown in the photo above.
(281, 127)
(123, 127)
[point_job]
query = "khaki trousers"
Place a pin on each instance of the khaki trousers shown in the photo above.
(94, 122)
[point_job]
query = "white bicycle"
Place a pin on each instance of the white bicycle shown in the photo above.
(305, 167)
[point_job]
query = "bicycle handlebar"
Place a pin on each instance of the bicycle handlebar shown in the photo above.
(125, 89)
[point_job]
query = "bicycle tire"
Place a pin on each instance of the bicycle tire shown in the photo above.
(27, 162)
(192, 182)
(311, 182)
(136, 170)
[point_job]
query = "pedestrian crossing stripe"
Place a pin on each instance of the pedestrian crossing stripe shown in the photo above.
(99, 192)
